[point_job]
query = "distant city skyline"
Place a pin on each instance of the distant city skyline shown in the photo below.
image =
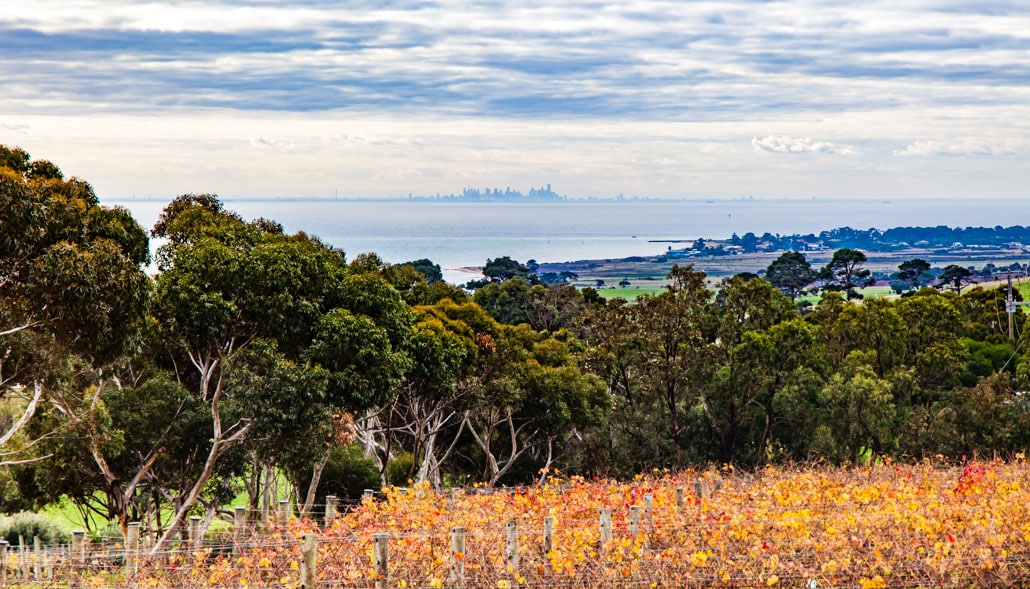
(651, 99)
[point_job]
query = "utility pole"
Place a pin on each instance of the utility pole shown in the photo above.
(1010, 308)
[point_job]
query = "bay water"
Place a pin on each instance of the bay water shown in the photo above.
(462, 235)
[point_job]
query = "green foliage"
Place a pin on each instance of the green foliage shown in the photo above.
(791, 273)
(347, 474)
(954, 276)
(505, 268)
(363, 366)
(15, 159)
(914, 273)
(28, 525)
(400, 470)
(429, 270)
(845, 273)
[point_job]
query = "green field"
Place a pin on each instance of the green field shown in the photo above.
(631, 292)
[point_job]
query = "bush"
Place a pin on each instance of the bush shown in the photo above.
(399, 470)
(29, 525)
(347, 474)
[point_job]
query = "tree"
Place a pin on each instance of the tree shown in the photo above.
(505, 268)
(431, 271)
(845, 273)
(791, 273)
(747, 366)
(431, 400)
(72, 285)
(861, 414)
(955, 277)
(226, 285)
(505, 301)
(653, 355)
(530, 397)
(912, 272)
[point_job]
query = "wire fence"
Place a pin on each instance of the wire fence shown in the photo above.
(346, 559)
(690, 536)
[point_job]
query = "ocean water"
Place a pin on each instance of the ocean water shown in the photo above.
(460, 235)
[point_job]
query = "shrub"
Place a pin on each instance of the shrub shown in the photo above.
(29, 525)
(399, 470)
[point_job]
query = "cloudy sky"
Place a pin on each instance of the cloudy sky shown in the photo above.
(658, 98)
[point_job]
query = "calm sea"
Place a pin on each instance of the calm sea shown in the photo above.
(458, 235)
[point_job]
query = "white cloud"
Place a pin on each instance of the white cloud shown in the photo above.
(19, 129)
(271, 143)
(965, 147)
(785, 144)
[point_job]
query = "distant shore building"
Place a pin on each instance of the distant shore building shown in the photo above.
(545, 194)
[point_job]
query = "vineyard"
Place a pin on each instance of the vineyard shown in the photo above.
(880, 526)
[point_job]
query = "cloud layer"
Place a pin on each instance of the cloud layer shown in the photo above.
(876, 81)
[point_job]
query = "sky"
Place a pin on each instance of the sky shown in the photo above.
(648, 98)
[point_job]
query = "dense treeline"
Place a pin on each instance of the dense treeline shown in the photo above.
(252, 354)
(881, 240)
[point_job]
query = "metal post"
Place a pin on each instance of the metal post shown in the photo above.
(196, 540)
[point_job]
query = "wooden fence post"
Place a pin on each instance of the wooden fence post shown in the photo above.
(634, 520)
(679, 499)
(77, 558)
(605, 520)
(331, 502)
(699, 490)
(382, 560)
(548, 534)
(131, 549)
(3, 563)
(37, 554)
(239, 525)
(196, 540)
(458, 557)
(23, 558)
(308, 558)
(512, 545)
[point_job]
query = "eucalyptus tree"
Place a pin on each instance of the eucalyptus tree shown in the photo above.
(72, 287)
(749, 364)
(653, 357)
(334, 339)
(529, 396)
